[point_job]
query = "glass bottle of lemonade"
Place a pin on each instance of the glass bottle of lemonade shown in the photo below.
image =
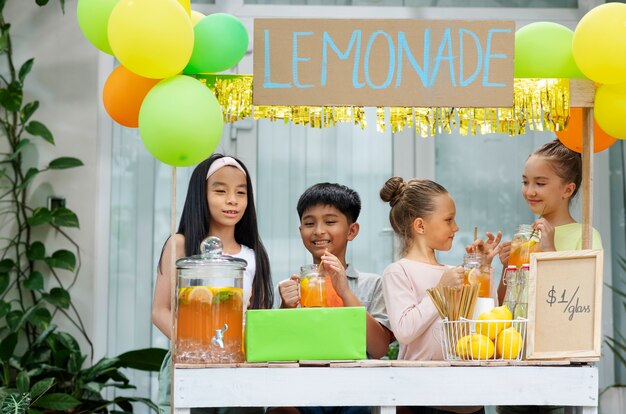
(512, 287)
(476, 271)
(210, 306)
(525, 241)
(521, 310)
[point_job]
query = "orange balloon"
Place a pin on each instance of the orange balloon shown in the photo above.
(123, 94)
(572, 138)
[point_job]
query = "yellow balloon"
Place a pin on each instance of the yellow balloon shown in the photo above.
(599, 45)
(610, 109)
(186, 5)
(152, 38)
(196, 16)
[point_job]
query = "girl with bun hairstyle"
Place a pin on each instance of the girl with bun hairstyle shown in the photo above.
(423, 217)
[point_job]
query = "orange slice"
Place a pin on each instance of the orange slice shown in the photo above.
(201, 294)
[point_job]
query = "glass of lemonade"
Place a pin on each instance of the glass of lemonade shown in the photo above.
(312, 287)
(209, 307)
(477, 272)
(524, 242)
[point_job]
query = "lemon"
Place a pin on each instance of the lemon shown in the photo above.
(201, 294)
(183, 295)
(472, 276)
(488, 324)
(509, 344)
(475, 346)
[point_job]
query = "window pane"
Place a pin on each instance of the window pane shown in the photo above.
(483, 175)
(291, 159)
(567, 4)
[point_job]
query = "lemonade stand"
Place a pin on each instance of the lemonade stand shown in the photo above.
(434, 76)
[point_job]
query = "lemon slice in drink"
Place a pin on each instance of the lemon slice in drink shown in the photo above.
(472, 276)
(201, 294)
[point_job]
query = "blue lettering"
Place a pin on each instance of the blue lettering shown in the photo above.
(295, 59)
(488, 56)
(446, 40)
(356, 38)
(392, 59)
(479, 58)
(403, 45)
(267, 83)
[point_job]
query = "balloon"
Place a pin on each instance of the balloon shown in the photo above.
(180, 121)
(544, 50)
(153, 38)
(610, 109)
(93, 19)
(572, 138)
(196, 16)
(599, 47)
(123, 94)
(221, 40)
(186, 5)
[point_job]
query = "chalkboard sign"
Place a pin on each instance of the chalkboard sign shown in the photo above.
(565, 305)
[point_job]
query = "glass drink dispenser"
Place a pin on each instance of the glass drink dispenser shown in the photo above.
(209, 306)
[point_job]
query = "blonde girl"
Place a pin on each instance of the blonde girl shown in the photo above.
(423, 217)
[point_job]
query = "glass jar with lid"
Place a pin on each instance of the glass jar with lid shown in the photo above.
(209, 306)
(525, 241)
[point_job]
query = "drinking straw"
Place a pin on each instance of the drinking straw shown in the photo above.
(532, 233)
(475, 237)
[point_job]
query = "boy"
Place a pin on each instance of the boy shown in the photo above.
(328, 214)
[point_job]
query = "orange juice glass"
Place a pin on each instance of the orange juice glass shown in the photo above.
(312, 287)
(209, 307)
(477, 272)
(523, 244)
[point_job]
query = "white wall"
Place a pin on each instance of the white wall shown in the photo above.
(65, 81)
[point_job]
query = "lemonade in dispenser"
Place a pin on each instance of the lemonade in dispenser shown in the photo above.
(209, 306)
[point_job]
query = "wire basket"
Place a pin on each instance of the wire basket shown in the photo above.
(483, 340)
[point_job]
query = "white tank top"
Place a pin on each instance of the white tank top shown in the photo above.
(248, 255)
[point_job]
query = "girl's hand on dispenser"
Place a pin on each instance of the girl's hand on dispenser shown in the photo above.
(546, 244)
(452, 277)
(288, 290)
(333, 268)
(505, 252)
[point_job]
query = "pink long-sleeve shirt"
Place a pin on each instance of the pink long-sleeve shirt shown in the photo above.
(413, 317)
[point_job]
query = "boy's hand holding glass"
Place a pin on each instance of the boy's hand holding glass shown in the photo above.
(288, 290)
(452, 277)
(332, 267)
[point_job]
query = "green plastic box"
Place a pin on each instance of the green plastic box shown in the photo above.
(305, 334)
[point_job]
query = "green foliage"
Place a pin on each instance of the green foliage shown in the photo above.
(43, 370)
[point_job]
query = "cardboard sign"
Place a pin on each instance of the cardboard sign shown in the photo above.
(404, 62)
(565, 305)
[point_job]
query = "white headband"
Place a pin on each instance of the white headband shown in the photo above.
(223, 162)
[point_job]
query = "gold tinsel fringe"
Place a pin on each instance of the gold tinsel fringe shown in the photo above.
(539, 104)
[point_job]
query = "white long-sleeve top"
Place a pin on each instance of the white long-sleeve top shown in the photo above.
(412, 314)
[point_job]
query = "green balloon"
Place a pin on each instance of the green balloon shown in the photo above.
(220, 41)
(180, 121)
(544, 50)
(93, 19)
